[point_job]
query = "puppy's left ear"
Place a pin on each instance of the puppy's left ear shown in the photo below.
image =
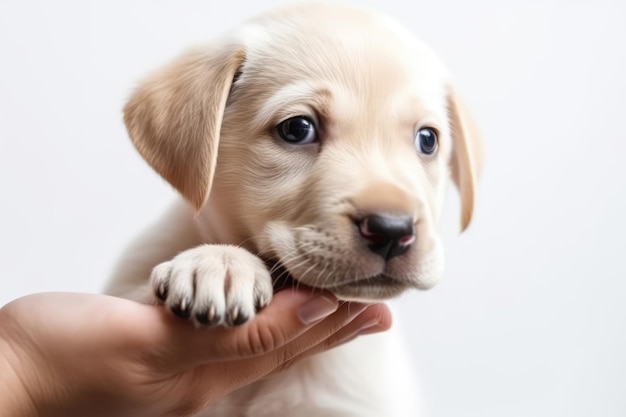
(467, 155)
(174, 118)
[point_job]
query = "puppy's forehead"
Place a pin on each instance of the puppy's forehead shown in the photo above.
(359, 49)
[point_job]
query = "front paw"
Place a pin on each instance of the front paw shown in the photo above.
(213, 285)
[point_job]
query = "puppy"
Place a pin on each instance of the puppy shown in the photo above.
(316, 139)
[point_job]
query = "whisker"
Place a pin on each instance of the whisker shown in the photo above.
(306, 272)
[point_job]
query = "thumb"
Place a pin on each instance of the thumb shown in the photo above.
(179, 345)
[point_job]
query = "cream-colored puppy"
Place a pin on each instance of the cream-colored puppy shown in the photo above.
(315, 141)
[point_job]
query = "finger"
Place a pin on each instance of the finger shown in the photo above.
(375, 319)
(348, 319)
(179, 345)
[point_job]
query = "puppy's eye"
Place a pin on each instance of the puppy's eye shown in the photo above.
(426, 141)
(298, 130)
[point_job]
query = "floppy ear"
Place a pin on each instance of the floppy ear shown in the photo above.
(466, 155)
(174, 118)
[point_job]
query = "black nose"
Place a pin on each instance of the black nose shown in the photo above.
(388, 235)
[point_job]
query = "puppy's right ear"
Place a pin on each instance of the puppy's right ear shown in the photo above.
(174, 118)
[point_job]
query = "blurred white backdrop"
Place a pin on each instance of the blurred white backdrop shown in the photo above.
(530, 318)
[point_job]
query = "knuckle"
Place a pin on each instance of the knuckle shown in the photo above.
(262, 339)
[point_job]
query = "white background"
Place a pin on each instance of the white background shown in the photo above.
(530, 318)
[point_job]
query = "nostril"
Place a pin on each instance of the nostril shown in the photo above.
(387, 235)
(407, 240)
(371, 233)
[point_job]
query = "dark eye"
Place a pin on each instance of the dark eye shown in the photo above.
(426, 141)
(298, 130)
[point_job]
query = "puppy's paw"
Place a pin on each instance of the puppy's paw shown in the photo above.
(213, 285)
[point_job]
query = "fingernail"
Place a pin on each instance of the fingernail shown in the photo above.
(317, 308)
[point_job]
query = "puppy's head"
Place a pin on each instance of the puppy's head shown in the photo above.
(319, 137)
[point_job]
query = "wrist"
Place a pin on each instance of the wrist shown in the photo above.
(16, 371)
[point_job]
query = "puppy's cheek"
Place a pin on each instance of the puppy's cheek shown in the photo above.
(275, 199)
(275, 240)
(430, 266)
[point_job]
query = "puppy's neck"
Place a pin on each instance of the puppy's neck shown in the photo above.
(216, 225)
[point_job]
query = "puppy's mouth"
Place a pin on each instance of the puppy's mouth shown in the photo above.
(375, 288)
(281, 277)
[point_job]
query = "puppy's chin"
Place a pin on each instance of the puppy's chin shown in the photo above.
(373, 289)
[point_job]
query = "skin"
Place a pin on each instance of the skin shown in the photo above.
(69, 354)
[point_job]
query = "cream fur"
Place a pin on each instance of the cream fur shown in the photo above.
(368, 85)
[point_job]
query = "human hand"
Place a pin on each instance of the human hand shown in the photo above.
(68, 354)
